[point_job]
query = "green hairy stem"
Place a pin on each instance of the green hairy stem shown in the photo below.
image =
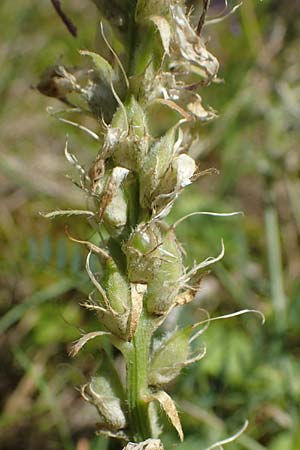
(137, 380)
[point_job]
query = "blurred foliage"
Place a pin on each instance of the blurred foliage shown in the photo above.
(250, 371)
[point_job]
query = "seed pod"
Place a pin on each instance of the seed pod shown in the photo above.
(105, 393)
(155, 167)
(142, 252)
(119, 296)
(117, 288)
(165, 284)
(119, 303)
(130, 148)
(114, 299)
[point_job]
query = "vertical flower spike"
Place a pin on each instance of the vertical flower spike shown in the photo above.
(141, 167)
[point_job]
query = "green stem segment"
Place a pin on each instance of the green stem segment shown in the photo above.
(137, 357)
(137, 380)
(275, 267)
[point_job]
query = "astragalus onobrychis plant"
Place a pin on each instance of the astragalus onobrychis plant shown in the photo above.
(143, 91)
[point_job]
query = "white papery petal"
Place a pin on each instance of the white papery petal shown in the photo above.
(118, 175)
(185, 167)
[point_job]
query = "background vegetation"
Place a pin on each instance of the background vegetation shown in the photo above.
(249, 371)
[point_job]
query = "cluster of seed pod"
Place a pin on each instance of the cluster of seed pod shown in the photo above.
(134, 182)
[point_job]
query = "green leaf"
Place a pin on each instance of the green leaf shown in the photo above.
(169, 357)
(102, 66)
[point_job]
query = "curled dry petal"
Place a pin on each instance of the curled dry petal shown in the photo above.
(190, 46)
(137, 294)
(197, 109)
(169, 408)
(164, 30)
(149, 444)
(84, 339)
(113, 206)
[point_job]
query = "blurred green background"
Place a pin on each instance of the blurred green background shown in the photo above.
(250, 371)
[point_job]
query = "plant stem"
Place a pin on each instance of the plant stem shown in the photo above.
(252, 27)
(137, 374)
(275, 267)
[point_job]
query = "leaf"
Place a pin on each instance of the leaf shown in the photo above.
(103, 67)
(169, 357)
